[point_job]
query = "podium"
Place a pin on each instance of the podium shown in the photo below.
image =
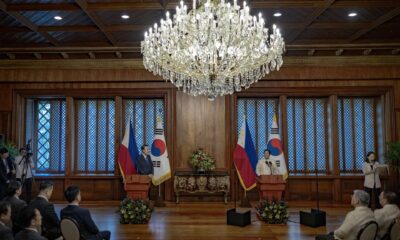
(271, 187)
(137, 186)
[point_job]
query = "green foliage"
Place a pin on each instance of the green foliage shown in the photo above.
(392, 155)
(273, 212)
(11, 147)
(135, 211)
(201, 160)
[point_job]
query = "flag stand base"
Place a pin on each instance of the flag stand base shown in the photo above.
(240, 219)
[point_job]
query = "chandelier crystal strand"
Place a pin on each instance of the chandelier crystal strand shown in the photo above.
(214, 49)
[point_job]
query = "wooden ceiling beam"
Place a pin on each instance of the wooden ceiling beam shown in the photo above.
(26, 22)
(96, 20)
(20, 7)
(366, 4)
(310, 20)
(172, 5)
(393, 13)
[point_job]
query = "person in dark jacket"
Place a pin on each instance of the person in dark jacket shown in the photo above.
(31, 220)
(87, 227)
(5, 217)
(144, 163)
(14, 190)
(51, 222)
(7, 171)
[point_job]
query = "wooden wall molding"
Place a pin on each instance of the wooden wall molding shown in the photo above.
(326, 61)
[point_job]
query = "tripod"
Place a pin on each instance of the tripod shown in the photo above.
(26, 180)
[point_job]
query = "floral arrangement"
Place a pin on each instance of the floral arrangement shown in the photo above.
(135, 211)
(201, 160)
(272, 212)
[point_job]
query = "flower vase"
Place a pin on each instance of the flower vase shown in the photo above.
(201, 171)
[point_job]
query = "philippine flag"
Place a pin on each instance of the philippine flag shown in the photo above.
(245, 158)
(128, 152)
(159, 156)
(275, 147)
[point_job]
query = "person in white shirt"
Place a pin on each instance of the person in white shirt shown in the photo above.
(357, 218)
(266, 166)
(24, 166)
(385, 216)
(372, 182)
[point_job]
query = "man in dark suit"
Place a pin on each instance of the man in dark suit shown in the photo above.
(7, 170)
(31, 220)
(87, 227)
(14, 190)
(144, 163)
(51, 222)
(5, 217)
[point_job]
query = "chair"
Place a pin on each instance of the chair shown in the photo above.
(70, 229)
(394, 230)
(368, 232)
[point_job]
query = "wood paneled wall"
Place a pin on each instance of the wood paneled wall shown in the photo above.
(196, 122)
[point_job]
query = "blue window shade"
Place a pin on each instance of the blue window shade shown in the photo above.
(260, 114)
(357, 131)
(306, 129)
(49, 139)
(143, 114)
(95, 136)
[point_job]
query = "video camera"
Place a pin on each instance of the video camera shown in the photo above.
(28, 149)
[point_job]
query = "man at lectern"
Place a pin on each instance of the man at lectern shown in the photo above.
(267, 166)
(144, 163)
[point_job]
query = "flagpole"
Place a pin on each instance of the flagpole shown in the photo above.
(160, 201)
(245, 201)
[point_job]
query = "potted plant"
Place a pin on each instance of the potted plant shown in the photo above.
(201, 161)
(135, 211)
(392, 155)
(272, 212)
(11, 147)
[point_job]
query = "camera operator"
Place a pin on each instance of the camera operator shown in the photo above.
(24, 166)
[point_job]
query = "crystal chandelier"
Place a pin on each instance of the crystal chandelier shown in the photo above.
(213, 50)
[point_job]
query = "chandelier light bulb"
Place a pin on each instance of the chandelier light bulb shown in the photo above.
(212, 50)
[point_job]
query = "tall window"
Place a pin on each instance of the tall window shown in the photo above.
(45, 126)
(95, 136)
(307, 137)
(358, 131)
(259, 113)
(143, 114)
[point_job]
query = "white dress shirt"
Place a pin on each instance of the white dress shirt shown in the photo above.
(263, 168)
(22, 168)
(353, 222)
(371, 175)
(385, 216)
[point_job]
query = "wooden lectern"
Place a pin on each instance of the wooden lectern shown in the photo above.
(137, 186)
(271, 187)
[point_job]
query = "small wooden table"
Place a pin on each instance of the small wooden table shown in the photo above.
(210, 182)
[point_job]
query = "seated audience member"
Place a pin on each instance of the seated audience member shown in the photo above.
(5, 217)
(51, 222)
(31, 221)
(82, 216)
(388, 213)
(357, 218)
(14, 190)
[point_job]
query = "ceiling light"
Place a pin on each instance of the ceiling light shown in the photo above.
(352, 14)
(58, 18)
(125, 16)
(277, 14)
(220, 62)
